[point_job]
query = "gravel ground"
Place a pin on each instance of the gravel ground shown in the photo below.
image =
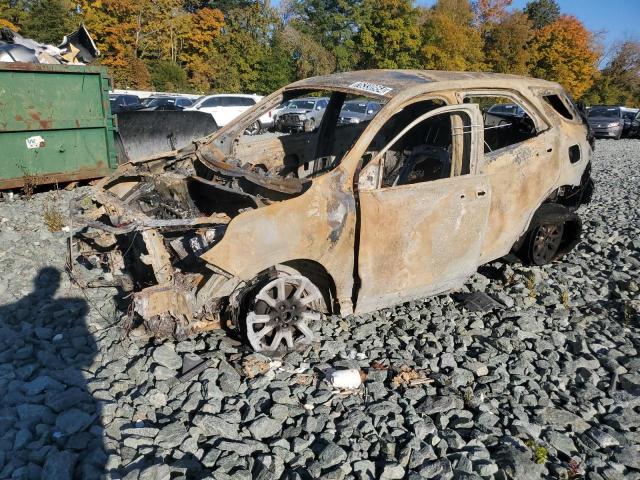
(547, 387)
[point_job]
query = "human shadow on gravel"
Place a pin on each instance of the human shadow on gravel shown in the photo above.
(49, 421)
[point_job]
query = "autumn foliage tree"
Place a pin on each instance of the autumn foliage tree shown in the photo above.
(450, 40)
(564, 51)
(253, 47)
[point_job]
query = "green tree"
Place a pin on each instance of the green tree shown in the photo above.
(168, 76)
(450, 40)
(48, 21)
(276, 68)
(241, 49)
(12, 14)
(331, 23)
(388, 35)
(506, 44)
(309, 58)
(542, 12)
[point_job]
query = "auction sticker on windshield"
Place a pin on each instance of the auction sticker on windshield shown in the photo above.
(371, 88)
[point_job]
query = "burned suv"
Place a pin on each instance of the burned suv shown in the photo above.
(267, 233)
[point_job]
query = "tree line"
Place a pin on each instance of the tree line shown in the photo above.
(250, 46)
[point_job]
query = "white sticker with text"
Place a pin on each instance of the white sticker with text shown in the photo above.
(371, 87)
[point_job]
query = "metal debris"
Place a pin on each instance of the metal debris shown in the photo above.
(478, 302)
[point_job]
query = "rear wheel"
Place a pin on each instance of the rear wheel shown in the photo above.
(280, 313)
(543, 243)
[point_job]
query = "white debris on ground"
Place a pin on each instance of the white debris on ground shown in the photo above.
(547, 387)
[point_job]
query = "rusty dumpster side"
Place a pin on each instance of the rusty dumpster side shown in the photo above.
(55, 124)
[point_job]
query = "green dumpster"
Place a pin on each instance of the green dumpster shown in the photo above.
(55, 124)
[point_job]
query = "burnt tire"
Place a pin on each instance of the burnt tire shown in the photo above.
(553, 232)
(278, 312)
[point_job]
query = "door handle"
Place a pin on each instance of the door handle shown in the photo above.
(481, 193)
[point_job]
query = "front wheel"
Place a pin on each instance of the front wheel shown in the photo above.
(254, 129)
(279, 316)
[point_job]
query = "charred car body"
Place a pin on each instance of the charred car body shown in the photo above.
(268, 234)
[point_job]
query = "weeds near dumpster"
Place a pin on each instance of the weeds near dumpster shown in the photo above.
(29, 182)
(51, 213)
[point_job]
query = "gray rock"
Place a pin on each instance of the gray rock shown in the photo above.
(561, 442)
(629, 456)
(392, 471)
(602, 439)
(437, 404)
(562, 419)
(331, 455)
(214, 426)
(171, 435)
(42, 384)
(265, 427)
(364, 470)
(59, 465)
(73, 420)
(166, 356)
(59, 401)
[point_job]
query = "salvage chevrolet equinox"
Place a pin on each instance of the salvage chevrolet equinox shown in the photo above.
(267, 233)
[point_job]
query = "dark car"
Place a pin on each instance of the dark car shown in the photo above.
(606, 121)
(168, 103)
(124, 103)
(634, 129)
(628, 114)
(357, 111)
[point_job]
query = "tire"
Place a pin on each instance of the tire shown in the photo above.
(254, 129)
(543, 243)
(277, 313)
(554, 230)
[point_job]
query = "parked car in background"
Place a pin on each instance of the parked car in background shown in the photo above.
(606, 121)
(302, 114)
(634, 129)
(507, 109)
(628, 114)
(277, 111)
(124, 103)
(226, 107)
(358, 111)
(168, 103)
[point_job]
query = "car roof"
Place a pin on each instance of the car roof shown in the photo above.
(310, 99)
(242, 95)
(389, 83)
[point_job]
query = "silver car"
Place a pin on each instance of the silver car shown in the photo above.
(358, 111)
(302, 114)
(606, 121)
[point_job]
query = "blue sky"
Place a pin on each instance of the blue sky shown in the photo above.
(616, 19)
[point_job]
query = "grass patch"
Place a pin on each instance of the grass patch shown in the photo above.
(52, 214)
(540, 454)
